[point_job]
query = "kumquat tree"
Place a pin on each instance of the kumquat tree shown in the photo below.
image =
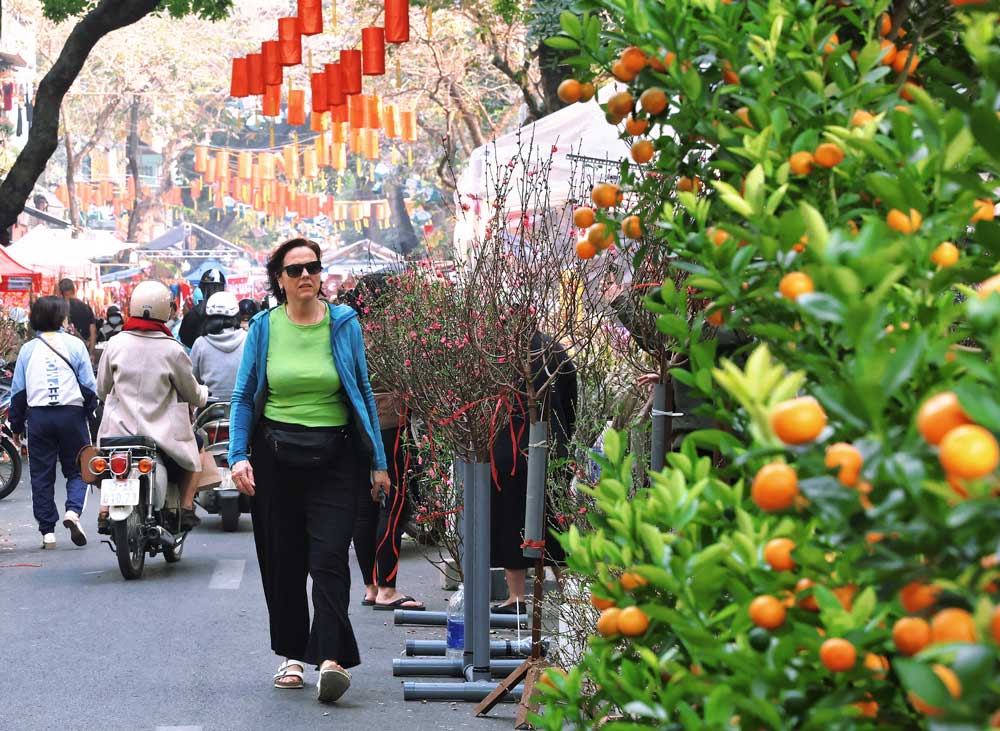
(828, 557)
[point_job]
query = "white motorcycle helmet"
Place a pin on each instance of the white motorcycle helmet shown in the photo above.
(150, 301)
(223, 304)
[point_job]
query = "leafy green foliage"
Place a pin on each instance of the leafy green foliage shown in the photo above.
(60, 10)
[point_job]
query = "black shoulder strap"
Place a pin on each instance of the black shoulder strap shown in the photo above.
(64, 358)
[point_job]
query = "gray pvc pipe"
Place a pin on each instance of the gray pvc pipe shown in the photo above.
(440, 619)
(498, 648)
(658, 452)
(466, 692)
(481, 570)
(468, 556)
(446, 667)
(534, 506)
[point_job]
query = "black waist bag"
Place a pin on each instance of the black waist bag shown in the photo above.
(307, 449)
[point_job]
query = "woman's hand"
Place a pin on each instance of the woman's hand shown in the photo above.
(380, 483)
(648, 379)
(243, 477)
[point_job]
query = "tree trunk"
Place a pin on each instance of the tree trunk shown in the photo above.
(468, 116)
(43, 137)
(74, 207)
(406, 236)
(132, 151)
(553, 73)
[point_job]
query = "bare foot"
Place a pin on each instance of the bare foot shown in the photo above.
(388, 596)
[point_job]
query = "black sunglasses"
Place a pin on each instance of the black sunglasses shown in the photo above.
(295, 270)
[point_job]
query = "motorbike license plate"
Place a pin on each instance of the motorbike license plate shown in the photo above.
(120, 492)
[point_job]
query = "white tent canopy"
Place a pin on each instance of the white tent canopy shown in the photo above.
(54, 253)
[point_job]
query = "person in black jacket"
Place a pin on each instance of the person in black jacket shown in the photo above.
(193, 324)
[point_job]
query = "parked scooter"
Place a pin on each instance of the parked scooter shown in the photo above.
(10, 456)
(224, 499)
(134, 487)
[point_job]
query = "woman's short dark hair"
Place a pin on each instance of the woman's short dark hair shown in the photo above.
(277, 262)
(48, 314)
(215, 324)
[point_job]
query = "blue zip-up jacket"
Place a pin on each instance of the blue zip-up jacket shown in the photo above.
(50, 383)
(250, 392)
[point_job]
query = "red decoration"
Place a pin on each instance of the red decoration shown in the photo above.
(319, 92)
(357, 104)
(389, 120)
(311, 17)
(290, 41)
(273, 73)
(408, 125)
(272, 100)
(373, 51)
(350, 65)
(239, 85)
(296, 107)
(373, 112)
(397, 21)
(255, 73)
(338, 114)
(335, 85)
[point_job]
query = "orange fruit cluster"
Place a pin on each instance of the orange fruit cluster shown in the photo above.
(798, 420)
(827, 155)
(966, 450)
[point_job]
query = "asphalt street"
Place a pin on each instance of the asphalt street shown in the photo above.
(185, 648)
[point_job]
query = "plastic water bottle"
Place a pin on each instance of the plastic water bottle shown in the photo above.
(455, 645)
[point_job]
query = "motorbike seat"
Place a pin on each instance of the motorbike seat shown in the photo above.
(110, 442)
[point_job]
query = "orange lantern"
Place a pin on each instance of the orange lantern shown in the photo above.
(319, 86)
(218, 197)
(310, 164)
(107, 191)
(195, 190)
(373, 112)
(337, 132)
(255, 74)
(290, 41)
(408, 125)
(210, 176)
(271, 53)
(311, 17)
(317, 122)
(222, 164)
(350, 65)
(291, 162)
(322, 153)
(334, 85)
(397, 21)
(354, 141)
(389, 121)
(244, 165)
(357, 104)
(271, 106)
(296, 107)
(338, 114)
(373, 51)
(239, 84)
(371, 144)
(265, 166)
(200, 159)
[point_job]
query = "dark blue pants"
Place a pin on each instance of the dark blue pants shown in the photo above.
(55, 433)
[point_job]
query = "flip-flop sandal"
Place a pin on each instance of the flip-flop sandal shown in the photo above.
(286, 671)
(332, 684)
(398, 604)
(368, 602)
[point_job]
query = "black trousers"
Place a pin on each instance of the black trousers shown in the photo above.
(378, 532)
(303, 521)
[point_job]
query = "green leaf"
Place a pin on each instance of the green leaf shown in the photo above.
(986, 128)
(613, 446)
(918, 678)
(562, 43)
(979, 403)
(819, 234)
(822, 306)
(570, 23)
(903, 363)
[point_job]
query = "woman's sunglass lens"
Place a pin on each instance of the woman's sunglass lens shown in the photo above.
(295, 270)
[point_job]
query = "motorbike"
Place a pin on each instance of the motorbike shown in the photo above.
(10, 456)
(224, 500)
(134, 487)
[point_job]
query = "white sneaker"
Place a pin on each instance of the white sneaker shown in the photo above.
(49, 540)
(72, 521)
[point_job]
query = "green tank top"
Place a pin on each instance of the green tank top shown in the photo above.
(302, 380)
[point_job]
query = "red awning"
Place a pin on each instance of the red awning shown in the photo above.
(16, 278)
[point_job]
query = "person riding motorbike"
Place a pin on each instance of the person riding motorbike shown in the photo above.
(216, 355)
(248, 308)
(193, 324)
(145, 381)
(113, 323)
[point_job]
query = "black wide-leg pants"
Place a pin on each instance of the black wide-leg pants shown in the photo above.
(303, 521)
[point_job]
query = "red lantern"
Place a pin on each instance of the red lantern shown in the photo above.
(373, 112)
(357, 105)
(337, 132)
(273, 73)
(290, 41)
(239, 85)
(397, 21)
(296, 107)
(319, 92)
(311, 17)
(350, 65)
(271, 106)
(334, 85)
(373, 51)
(255, 74)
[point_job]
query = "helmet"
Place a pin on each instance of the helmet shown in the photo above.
(113, 313)
(248, 308)
(150, 301)
(222, 303)
(212, 281)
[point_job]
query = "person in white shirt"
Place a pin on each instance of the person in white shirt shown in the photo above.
(52, 393)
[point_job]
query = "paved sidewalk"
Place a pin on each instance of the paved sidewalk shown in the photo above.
(186, 647)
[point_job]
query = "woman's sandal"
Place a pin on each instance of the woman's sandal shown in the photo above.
(286, 670)
(333, 683)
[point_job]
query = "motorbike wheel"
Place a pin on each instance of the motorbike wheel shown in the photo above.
(10, 468)
(173, 555)
(229, 509)
(130, 545)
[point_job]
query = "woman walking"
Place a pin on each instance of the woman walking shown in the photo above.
(53, 390)
(304, 436)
